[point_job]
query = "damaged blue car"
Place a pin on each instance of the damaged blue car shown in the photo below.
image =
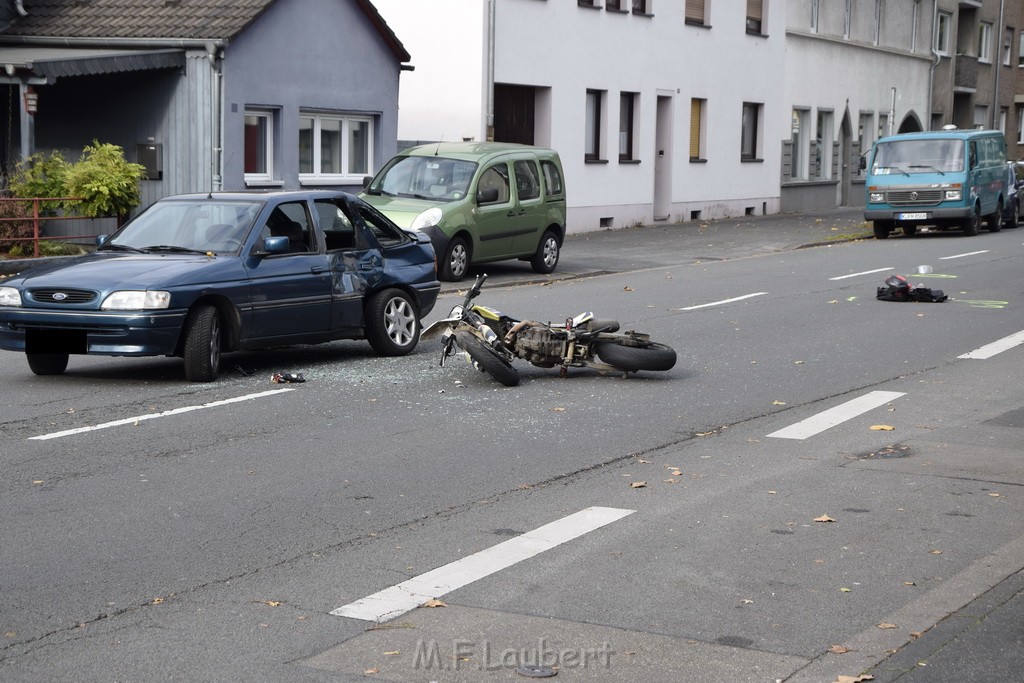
(195, 276)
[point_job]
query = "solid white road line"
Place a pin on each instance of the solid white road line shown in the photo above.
(866, 272)
(834, 416)
(725, 301)
(970, 253)
(408, 595)
(151, 416)
(989, 350)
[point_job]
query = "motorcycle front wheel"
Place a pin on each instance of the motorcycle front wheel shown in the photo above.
(633, 358)
(488, 359)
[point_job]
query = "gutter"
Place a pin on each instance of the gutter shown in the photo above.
(63, 41)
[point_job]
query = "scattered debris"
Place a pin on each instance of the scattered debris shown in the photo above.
(824, 518)
(897, 288)
(287, 378)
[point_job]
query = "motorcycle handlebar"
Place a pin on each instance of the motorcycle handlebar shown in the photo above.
(475, 289)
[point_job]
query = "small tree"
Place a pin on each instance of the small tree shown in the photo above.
(108, 184)
(39, 176)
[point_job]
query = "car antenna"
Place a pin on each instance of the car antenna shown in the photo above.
(437, 150)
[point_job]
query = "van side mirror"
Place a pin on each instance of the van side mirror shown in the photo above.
(863, 163)
(488, 196)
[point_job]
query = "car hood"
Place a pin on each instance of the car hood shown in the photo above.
(107, 271)
(401, 210)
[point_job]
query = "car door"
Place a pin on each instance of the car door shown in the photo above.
(354, 257)
(530, 212)
(291, 293)
(496, 217)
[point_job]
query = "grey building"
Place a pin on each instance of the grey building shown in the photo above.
(232, 94)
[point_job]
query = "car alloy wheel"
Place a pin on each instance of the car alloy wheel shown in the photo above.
(400, 321)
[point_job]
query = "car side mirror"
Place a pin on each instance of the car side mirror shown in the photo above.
(487, 196)
(276, 245)
(366, 181)
(100, 239)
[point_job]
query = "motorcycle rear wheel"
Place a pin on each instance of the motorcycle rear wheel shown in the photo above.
(488, 359)
(633, 358)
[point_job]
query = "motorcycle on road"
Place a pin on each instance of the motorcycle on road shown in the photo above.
(492, 340)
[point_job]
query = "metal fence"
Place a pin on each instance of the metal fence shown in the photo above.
(47, 218)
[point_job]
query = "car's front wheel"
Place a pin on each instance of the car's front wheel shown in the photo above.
(392, 323)
(456, 260)
(47, 363)
(202, 344)
(546, 258)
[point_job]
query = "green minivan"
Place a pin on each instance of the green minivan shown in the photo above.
(477, 201)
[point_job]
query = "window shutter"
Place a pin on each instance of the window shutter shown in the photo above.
(695, 107)
(755, 9)
(787, 161)
(695, 11)
(835, 160)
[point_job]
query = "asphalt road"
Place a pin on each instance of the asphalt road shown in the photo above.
(181, 536)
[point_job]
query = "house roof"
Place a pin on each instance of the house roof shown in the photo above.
(123, 21)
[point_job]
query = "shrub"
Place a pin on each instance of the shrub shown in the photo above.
(108, 184)
(40, 176)
(11, 229)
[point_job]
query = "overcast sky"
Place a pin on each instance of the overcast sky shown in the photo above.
(441, 99)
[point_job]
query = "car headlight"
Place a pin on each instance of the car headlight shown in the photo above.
(129, 300)
(9, 296)
(954, 195)
(427, 219)
(877, 197)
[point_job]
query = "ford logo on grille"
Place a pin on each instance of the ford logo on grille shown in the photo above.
(59, 296)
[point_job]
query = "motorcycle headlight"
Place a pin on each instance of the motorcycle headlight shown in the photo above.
(130, 300)
(427, 219)
(9, 296)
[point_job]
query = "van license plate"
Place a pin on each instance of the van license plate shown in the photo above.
(919, 216)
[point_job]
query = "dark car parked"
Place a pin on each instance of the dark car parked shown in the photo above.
(197, 275)
(1014, 194)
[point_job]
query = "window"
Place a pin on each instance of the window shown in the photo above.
(1003, 113)
(942, 29)
(641, 6)
(915, 21)
(258, 164)
(878, 22)
(339, 232)
(592, 149)
(1020, 125)
(847, 20)
(985, 42)
(750, 138)
(823, 146)
(290, 220)
(814, 15)
(1020, 50)
(1007, 46)
(801, 138)
(552, 178)
(495, 178)
(613, 5)
(627, 131)
(866, 135)
(883, 125)
(586, 3)
(527, 180)
(334, 148)
(695, 12)
(981, 116)
(385, 232)
(755, 17)
(698, 142)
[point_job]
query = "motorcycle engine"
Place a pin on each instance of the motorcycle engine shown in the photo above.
(539, 344)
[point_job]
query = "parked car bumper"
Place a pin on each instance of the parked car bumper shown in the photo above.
(90, 332)
(932, 213)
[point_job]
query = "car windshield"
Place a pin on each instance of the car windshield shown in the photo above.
(199, 225)
(434, 178)
(918, 156)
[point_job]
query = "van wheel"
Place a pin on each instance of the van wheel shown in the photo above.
(909, 230)
(546, 258)
(456, 260)
(994, 222)
(882, 229)
(971, 224)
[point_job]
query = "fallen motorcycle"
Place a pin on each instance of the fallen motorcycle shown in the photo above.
(492, 340)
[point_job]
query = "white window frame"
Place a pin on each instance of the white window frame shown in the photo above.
(800, 134)
(1020, 125)
(269, 176)
(1003, 114)
(823, 133)
(752, 131)
(1007, 45)
(985, 42)
(345, 176)
(943, 25)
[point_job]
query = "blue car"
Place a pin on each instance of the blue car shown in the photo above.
(194, 276)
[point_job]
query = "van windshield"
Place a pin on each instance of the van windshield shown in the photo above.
(918, 156)
(434, 178)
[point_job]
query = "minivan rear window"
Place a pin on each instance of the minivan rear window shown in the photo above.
(552, 178)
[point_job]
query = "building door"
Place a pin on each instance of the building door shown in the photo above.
(513, 113)
(662, 200)
(845, 149)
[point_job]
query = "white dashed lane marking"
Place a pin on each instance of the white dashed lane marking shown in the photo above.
(995, 347)
(866, 272)
(152, 416)
(408, 595)
(724, 301)
(970, 253)
(835, 416)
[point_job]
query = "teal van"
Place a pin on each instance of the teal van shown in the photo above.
(945, 179)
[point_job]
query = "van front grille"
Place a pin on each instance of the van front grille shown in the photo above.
(914, 197)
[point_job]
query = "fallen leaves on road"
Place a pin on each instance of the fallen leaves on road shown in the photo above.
(271, 603)
(885, 626)
(824, 518)
(627, 288)
(854, 679)
(638, 485)
(882, 428)
(434, 602)
(839, 650)
(934, 552)
(559, 409)
(778, 403)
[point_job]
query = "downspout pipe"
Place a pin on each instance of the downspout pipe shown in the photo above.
(490, 70)
(936, 58)
(997, 64)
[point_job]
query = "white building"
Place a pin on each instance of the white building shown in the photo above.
(671, 110)
(854, 71)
